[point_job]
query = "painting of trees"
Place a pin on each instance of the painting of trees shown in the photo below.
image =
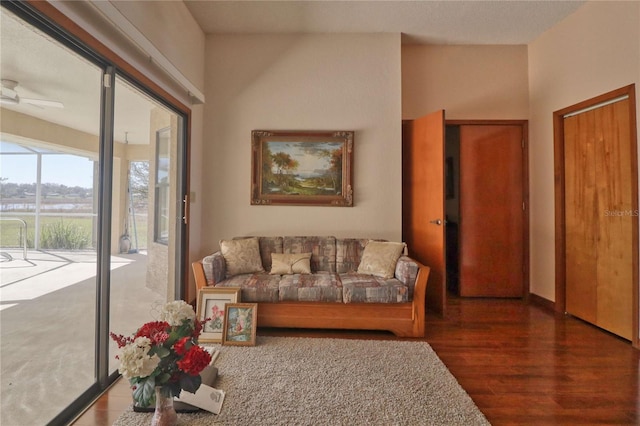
(308, 167)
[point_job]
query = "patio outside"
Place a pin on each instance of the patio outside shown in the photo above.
(47, 310)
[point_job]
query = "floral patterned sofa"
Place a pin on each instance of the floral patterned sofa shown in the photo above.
(322, 282)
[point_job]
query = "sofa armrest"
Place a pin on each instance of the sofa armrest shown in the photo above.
(215, 268)
(407, 272)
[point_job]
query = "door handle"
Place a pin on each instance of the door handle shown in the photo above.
(436, 222)
(185, 215)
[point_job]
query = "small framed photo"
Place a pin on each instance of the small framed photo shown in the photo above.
(240, 322)
(211, 304)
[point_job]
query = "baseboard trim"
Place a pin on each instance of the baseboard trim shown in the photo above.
(547, 304)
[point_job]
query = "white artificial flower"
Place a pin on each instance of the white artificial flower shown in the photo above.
(177, 311)
(135, 361)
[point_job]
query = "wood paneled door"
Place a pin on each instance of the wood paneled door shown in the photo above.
(598, 166)
(423, 217)
(492, 210)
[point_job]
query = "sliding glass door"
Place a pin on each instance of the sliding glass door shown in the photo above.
(144, 207)
(91, 182)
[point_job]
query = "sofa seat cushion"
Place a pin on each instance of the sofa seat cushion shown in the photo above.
(259, 287)
(358, 288)
(318, 287)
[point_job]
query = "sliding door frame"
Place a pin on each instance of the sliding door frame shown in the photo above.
(46, 17)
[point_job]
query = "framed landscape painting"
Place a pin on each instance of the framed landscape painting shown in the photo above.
(240, 324)
(302, 168)
(211, 304)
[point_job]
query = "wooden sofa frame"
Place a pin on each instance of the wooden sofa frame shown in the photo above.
(402, 319)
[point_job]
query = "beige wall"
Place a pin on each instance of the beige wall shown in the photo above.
(593, 51)
(301, 82)
(190, 42)
(468, 82)
(171, 28)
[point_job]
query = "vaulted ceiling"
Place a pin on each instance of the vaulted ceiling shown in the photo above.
(426, 21)
(46, 71)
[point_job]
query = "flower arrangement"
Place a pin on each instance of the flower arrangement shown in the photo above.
(164, 353)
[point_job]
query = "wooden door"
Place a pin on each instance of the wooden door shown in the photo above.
(423, 200)
(600, 216)
(491, 211)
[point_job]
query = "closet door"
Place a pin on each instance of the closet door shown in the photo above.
(599, 217)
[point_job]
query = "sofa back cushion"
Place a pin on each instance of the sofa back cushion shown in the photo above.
(322, 249)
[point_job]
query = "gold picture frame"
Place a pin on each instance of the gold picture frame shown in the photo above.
(302, 168)
(240, 324)
(211, 304)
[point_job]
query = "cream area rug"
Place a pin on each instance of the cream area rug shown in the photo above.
(318, 381)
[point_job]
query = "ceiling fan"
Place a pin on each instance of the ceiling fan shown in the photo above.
(8, 95)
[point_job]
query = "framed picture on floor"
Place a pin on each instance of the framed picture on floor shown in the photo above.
(240, 322)
(211, 304)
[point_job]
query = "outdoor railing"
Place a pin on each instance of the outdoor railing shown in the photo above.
(23, 224)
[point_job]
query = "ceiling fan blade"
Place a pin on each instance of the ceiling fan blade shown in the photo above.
(42, 103)
(8, 96)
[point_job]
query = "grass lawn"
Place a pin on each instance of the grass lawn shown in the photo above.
(11, 231)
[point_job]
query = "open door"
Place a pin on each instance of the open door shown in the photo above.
(423, 220)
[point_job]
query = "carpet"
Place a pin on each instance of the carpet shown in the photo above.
(318, 381)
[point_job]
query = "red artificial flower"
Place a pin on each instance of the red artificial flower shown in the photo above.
(120, 339)
(156, 331)
(181, 346)
(194, 361)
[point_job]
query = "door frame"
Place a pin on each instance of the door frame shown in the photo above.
(559, 183)
(524, 124)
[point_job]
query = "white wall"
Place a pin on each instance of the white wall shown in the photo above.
(468, 82)
(593, 51)
(301, 82)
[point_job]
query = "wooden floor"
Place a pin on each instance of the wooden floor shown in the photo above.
(521, 364)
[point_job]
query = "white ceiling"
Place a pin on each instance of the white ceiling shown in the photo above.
(419, 21)
(44, 69)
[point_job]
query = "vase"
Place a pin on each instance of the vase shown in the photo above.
(165, 414)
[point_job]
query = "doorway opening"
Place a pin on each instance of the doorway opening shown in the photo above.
(452, 205)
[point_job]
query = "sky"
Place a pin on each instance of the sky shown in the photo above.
(68, 170)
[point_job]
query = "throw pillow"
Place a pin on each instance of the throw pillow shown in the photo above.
(290, 263)
(379, 258)
(241, 256)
